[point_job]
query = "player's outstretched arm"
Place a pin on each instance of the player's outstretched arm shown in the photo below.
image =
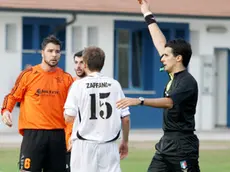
(182, 92)
(155, 102)
(157, 36)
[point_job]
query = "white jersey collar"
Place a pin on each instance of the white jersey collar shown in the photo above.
(95, 74)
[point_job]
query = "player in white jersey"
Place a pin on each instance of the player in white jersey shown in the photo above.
(91, 103)
(79, 70)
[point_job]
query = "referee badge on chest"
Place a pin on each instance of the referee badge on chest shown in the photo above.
(166, 94)
(184, 166)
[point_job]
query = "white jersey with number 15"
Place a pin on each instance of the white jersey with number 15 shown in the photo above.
(93, 101)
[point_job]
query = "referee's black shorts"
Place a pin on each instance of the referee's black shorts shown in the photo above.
(176, 152)
(43, 149)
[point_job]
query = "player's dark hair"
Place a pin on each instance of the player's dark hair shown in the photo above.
(94, 57)
(50, 39)
(181, 47)
(78, 54)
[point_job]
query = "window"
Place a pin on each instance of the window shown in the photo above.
(61, 36)
(123, 58)
(77, 44)
(35, 29)
(44, 31)
(166, 33)
(129, 50)
(180, 33)
(27, 36)
(92, 33)
(11, 37)
(137, 61)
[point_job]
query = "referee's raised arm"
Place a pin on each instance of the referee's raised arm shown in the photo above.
(158, 37)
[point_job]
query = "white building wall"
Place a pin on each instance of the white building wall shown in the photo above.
(10, 61)
(221, 86)
(105, 39)
(204, 42)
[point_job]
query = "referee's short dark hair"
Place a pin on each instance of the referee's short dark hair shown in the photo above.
(181, 47)
(78, 54)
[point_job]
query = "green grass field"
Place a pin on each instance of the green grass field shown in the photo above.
(212, 158)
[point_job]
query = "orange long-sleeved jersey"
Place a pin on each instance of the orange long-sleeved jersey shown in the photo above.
(42, 96)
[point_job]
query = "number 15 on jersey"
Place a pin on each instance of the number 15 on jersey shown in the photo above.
(101, 104)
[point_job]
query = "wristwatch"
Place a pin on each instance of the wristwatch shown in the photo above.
(142, 100)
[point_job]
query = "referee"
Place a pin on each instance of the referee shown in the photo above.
(178, 149)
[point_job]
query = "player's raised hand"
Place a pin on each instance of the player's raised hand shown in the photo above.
(7, 118)
(126, 102)
(123, 150)
(145, 7)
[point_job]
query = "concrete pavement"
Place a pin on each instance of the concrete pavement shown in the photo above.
(12, 138)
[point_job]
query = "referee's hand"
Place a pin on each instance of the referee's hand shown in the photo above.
(7, 118)
(126, 102)
(145, 7)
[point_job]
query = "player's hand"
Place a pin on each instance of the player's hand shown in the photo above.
(126, 102)
(123, 150)
(70, 143)
(7, 118)
(145, 7)
(69, 119)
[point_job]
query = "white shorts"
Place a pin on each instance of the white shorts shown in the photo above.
(93, 157)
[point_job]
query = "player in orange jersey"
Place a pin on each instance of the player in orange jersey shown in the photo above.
(79, 70)
(42, 91)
